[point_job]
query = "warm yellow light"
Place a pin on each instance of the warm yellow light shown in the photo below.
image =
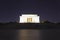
(29, 19)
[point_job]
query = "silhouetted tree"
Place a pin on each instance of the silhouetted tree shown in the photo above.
(58, 23)
(47, 21)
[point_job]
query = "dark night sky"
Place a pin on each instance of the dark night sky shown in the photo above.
(11, 9)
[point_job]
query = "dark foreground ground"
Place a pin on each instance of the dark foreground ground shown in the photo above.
(10, 31)
(29, 26)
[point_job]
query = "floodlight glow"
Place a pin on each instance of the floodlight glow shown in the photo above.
(29, 18)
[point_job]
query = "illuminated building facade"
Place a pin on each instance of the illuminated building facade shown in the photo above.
(29, 18)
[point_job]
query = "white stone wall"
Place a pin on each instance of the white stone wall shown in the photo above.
(35, 19)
